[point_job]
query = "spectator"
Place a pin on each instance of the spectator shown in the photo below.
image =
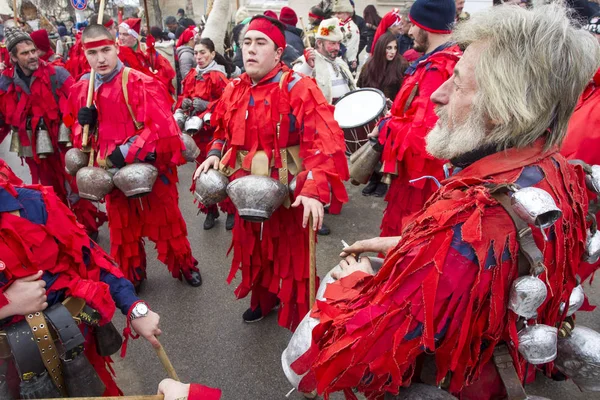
(343, 10)
(185, 51)
(172, 25)
(165, 47)
(372, 20)
(362, 28)
(315, 16)
(383, 71)
(180, 15)
(293, 35)
(270, 14)
(392, 22)
(405, 42)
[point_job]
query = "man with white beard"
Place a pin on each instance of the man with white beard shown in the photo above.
(444, 285)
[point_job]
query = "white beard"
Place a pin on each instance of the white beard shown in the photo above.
(445, 143)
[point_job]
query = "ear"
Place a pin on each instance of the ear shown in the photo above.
(279, 53)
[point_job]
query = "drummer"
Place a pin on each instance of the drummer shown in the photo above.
(255, 138)
(324, 64)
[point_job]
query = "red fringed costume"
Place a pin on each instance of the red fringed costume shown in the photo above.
(150, 63)
(246, 118)
(404, 155)
(443, 290)
(583, 139)
(46, 98)
(46, 237)
(157, 215)
(209, 87)
(77, 64)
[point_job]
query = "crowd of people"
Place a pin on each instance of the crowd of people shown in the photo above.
(478, 112)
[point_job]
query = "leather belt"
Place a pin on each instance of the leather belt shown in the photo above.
(69, 336)
(25, 351)
(47, 348)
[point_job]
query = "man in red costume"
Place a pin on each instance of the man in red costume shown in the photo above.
(267, 112)
(134, 54)
(444, 285)
(33, 98)
(77, 64)
(46, 257)
(134, 122)
(42, 42)
(412, 116)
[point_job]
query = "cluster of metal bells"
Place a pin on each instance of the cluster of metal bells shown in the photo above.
(43, 142)
(255, 197)
(134, 180)
(364, 161)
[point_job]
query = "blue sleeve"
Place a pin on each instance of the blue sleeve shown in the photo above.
(121, 290)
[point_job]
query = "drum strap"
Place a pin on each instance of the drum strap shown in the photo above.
(411, 97)
(508, 374)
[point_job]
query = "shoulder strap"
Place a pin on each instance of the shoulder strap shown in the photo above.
(54, 85)
(124, 81)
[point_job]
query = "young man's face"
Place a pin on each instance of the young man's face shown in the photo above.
(260, 55)
(26, 57)
(103, 59)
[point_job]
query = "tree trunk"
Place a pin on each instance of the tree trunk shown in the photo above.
(156, 13)
(189, 9)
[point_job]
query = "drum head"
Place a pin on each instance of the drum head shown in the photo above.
(359, 107)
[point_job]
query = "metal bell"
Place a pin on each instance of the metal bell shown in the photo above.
(15, 142)
(592, 247)
(257, 197)
(592, 178)
(526, 295)
(64, 135)
(292, 187)
(579, 358)
(180, 118)
(535, 206)
(575, 301)
(192, 151)
(27, 151)
(108, 339)
(193, 125)
(81, 378)
(364, 165)
(537, 343)
(43, 143)
(206, 118)
(94, 183)
(75, 159)
(136, 180)
(211, 187)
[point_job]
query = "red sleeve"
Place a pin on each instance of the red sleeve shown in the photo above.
(77, 99)
(4, 127)
(201, 392)
(582, 142)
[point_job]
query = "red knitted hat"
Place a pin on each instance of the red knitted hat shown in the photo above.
(41, 40)
(288, 16)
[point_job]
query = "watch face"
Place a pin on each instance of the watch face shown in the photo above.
(141, 309)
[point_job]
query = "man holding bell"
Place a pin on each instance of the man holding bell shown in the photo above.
(51, 274)
(132, 122)
(273, 122)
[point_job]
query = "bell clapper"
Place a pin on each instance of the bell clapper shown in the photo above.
(141, 204)
(261, 230)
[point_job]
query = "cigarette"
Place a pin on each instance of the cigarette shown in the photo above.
(345, 244)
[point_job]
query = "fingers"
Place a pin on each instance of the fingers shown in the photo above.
(33, 277)
(153, 341)
(216, 163)
(297, 202)
(44, 306)
(355, 249)
(162, 386)
(305, 216)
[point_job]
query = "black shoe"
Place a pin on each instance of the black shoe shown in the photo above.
(370, 188)
(324, 231)
(381, 190)
(230, 222)
(195, 279)
(251, 316)
(209, 222)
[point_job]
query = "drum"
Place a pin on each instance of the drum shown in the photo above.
(357, 113)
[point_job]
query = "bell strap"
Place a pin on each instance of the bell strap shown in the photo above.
(67, 331)
(47, 349)
(508, 373)
(26, 355)
(124, 80)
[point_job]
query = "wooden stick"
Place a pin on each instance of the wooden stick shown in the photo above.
(147, 17)
(90, 93)
(15, 11)
(312, 261)
(162, 356)
(305, 37)
(149, 397)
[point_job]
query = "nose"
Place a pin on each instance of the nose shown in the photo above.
(441, 96)
(411, 31)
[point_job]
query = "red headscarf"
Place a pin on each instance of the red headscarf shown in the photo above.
(389, 19)
(262, 24)
(187, 35)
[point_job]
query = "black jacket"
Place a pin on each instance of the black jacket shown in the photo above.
(293, 37)
(362, 28)
(404, 43)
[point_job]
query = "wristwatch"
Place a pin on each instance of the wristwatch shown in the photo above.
(140, 310)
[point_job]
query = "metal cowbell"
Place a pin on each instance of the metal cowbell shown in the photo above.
(15, 142)
(43, 142)
(64, 136)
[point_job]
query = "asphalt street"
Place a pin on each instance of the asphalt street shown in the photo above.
(203, 331)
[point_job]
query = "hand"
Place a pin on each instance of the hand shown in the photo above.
(374, 133)
(311, 206)
(210, 162)
(199, 105)
(309, 55)
(147, 327)
(88, 116)
(25, 296)
(186, 104)
(349, 265)
(389, 103)
(173, 390)
(374, 245)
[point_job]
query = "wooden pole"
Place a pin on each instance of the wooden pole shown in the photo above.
(312, 262)
(305, 36)
(90, 93)
(162, 356)
(150, 397)
(15, 11)
(147, 17)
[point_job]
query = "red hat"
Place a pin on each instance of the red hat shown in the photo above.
(187, 35)
(270, 14)
(288, 16)
(262, 24)
(41, 40)
(133, 26)
(390, 19)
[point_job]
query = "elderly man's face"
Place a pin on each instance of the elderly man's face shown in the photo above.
(461, 126)
(328, 49)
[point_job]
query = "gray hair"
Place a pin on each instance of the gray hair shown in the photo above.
(534, 66)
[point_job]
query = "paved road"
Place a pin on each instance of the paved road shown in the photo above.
(204, 335)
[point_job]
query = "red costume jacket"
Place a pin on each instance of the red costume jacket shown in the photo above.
(404, 134)
(141, 61)
(77, 64)
(246, 118)
(444, 288)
